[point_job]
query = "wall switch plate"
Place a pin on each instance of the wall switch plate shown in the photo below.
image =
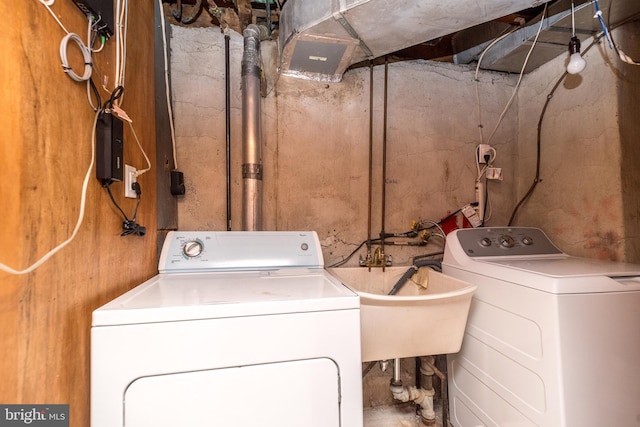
(129, 178)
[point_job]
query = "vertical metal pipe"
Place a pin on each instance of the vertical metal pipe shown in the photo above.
(384, 157)
(396, 380)
(251, 131)
(370, 157)
(228, 123)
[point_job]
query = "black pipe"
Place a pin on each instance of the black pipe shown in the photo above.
(370, 157)
(228, 125)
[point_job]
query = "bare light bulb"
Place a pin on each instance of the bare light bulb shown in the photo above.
(576, 61)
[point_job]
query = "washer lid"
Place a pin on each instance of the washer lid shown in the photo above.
(193, 296)
(570, 267)
(566, 275)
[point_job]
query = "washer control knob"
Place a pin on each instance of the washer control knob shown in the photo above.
(527, 240)
(506, 241)
(192, 248)
(486, 242)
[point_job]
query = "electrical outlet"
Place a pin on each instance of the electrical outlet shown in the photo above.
(484, 150)
(129, 178)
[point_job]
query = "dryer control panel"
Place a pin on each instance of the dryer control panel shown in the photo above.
(501, 241)
(192, 251)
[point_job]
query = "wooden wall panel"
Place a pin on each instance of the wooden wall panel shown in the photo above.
(45, 147)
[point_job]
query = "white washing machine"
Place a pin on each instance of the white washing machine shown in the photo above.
(551, 340)
(238, 329)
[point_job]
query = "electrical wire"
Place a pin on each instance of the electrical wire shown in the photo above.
(623, 56)
(86, 55)
(121, 25)
(140, 172)
(47, 4)
(129, 226)
(345, 260)
(600, 19)
(476, 79)
(83, 202)
(482, 171)
(86, 50)
(436, 225)
(524, 66)
(537, 178)
(166, 85)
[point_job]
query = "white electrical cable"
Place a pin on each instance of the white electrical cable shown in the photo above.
(437, 225)
(86, 50)
(47, 4)
(83, 201)
(625, 58)
(166, 85)
(526, 61)
(493, 43)
(140, 172)
(121, 25)
(117, 35)
(86, 55)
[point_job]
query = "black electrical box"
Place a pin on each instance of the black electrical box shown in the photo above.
(102, 10)
(177, 183)
(109, 148)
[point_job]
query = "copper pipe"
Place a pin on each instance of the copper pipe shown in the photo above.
(384, 160)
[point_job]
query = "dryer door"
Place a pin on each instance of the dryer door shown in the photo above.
(287, 394)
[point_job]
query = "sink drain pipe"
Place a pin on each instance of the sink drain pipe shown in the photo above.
(251, 129)
(422, 396)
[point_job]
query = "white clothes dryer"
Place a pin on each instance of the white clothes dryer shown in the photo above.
(551, 340)
(238, 329)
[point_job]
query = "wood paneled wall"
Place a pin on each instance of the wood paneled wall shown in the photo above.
(45, 127)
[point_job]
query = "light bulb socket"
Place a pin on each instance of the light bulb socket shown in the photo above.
(574, 45)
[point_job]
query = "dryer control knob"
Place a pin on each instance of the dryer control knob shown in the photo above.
(486, 242)
(506, 241)
(192, 248)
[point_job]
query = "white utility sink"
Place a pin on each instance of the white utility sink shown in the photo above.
(414, 322)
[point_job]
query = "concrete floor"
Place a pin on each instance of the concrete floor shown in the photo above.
(401, 415)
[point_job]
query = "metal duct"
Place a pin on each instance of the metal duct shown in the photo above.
(320, 39)
(251, 129)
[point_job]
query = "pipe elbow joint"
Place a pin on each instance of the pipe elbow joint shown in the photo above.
(259, 32)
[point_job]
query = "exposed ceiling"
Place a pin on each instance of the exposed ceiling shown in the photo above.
(444, 30)
(509, 54)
